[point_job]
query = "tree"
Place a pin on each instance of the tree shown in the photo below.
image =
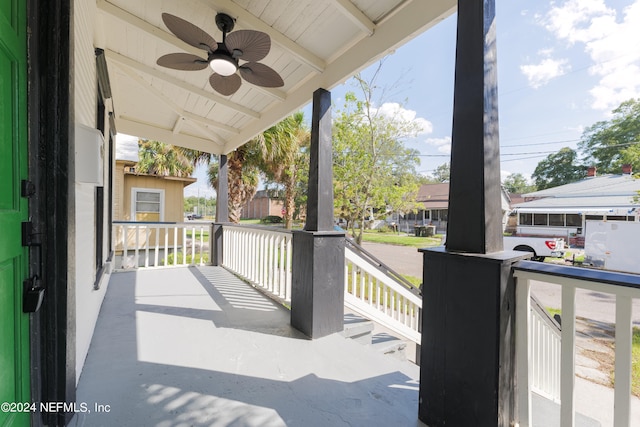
(283, 156)
(517, 183)
(557, 169)
(158, 158)
(610, 144)
(373, 171)
(442, 173)
(243, 178)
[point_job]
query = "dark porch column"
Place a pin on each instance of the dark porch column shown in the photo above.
(468, 345)
(317, 294)
(222, 211)
(222, 192)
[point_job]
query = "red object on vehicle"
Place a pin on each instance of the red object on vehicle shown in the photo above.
(551, 244)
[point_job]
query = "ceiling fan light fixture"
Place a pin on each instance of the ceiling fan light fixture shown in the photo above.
(222, 64)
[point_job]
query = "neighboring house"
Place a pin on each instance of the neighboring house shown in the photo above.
(434, 199)
(562, 211)
(143, 197)
(147, 198)
(264, 203)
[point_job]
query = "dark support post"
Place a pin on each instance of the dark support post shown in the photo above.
(317, 294)
(222, 211)
(320, 198)
(216, 244)
(222, 192)
(467, 367)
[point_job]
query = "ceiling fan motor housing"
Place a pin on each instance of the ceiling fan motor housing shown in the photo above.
(225, 23)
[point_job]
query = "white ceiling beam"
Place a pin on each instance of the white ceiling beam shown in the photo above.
(131, 63)
(355, 15)
(176, 109)
(143, 25)
(406, 23)
(247, 20)
(130, 126)
(177, 127)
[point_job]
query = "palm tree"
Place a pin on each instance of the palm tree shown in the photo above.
(243, 178)
(158, 158)
(282, 156)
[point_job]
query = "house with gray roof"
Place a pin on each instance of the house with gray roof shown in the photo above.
(563, 211)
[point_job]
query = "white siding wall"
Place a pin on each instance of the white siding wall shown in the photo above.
(82, 243)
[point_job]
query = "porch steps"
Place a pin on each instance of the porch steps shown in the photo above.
(366, 332)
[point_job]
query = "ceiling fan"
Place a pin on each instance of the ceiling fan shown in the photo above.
(223, 58)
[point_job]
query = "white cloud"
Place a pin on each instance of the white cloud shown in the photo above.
(610, 43)
(396, 111)
(443, 144)
(126, 147)
(542, 73)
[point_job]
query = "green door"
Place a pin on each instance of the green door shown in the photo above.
(14, 324)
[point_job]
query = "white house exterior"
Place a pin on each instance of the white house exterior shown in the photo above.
(562, 211)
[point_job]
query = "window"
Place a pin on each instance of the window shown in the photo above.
(574, 220)
(147, 204)
(594, 217)
(616, 218)
(540, 219)
(526, 219)
(556, 220)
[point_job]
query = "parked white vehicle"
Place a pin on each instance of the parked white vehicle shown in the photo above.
(612, 245)
(540, 246)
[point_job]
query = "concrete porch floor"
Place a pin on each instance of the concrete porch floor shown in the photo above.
(197, 346)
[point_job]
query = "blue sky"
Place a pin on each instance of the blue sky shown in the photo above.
(562, 66)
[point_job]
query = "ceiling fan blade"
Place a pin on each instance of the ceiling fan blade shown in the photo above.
(182, 61)
(260, 75)
(254, 45)
(225, 85)
(189, 33)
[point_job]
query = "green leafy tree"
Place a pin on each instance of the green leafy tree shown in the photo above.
(610, 144)
(558, 169)
(158, 158)
(442, 173)
(283, 155)
(517, 183)
(373, 171)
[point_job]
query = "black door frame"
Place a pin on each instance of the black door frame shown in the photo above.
(50, 103)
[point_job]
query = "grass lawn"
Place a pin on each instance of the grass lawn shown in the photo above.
(255, 221)
(401, 239)
(635, 356)
(415, 281)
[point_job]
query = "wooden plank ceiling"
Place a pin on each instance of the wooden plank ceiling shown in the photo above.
(314, 44)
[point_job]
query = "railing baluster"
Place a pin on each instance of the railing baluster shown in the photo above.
(523, 350)
(137, 248)
(201, 245)
(166, 245)
(568, 367)
(624, 337)
(125, 244)
(146, 245)
(175, 245)
(157, 246)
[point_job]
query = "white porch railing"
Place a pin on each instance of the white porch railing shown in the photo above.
(545, 353)
(261, 256)
(161, 244)
(379, 297)
(625, 287)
